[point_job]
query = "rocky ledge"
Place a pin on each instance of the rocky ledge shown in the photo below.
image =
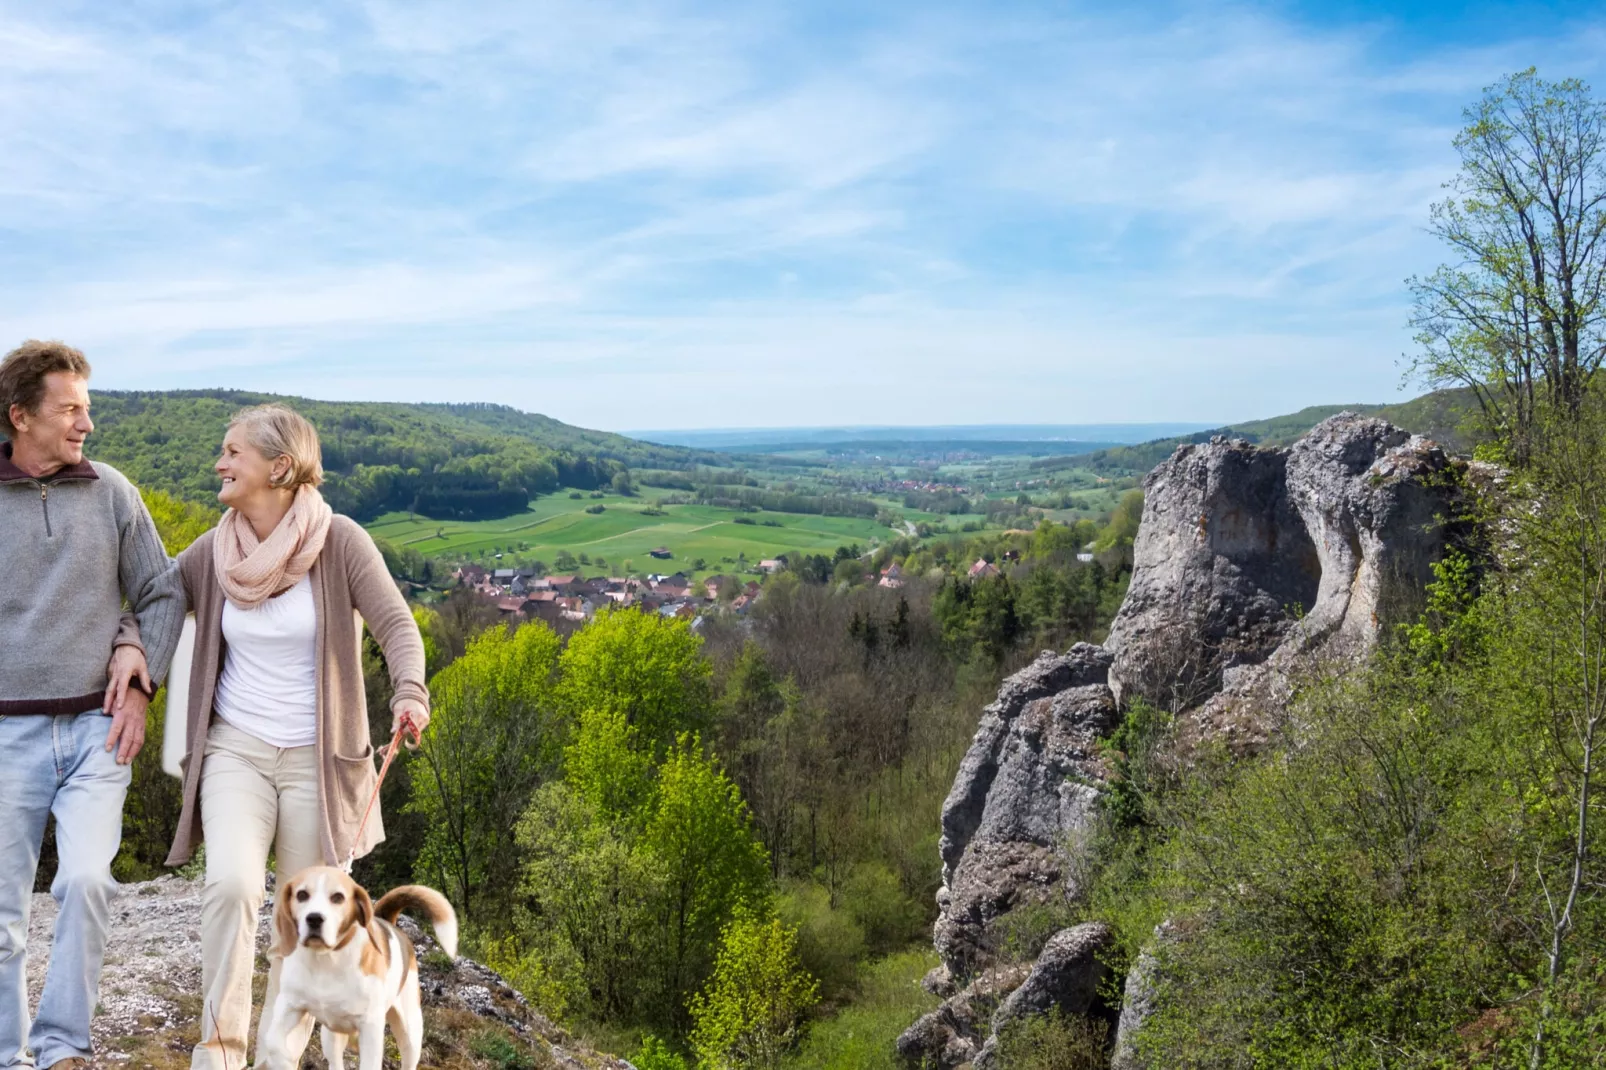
(148, 1015)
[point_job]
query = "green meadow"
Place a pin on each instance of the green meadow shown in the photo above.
(623, 532)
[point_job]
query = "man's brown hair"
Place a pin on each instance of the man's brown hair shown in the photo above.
(22, 375)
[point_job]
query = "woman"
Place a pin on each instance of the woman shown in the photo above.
(279, 751)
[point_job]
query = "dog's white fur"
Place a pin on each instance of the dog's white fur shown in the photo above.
(349, 969)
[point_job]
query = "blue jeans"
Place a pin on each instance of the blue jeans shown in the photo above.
(56, 765)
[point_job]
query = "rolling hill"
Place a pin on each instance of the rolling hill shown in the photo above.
(460, 462)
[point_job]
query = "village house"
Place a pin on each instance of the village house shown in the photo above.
(982, 569)
(891, 576)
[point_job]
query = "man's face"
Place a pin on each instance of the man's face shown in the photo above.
(53, 437)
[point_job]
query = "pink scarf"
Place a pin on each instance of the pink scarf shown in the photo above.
(252, 570)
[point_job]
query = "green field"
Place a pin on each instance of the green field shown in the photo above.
(623, 533)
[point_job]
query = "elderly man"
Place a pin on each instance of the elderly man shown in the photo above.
(78, 542)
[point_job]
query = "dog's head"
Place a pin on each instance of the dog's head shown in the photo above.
(322, 909)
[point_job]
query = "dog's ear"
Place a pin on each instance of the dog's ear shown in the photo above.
(284, 920)
(364, 907)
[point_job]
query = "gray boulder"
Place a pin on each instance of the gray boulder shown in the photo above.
(1065, 978)
(951, 1035)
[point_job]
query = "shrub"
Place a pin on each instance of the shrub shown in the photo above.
(889, 917)
(830, 942)
(748, 1013)
(1053, 1041)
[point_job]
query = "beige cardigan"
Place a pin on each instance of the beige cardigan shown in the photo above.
(349, 575)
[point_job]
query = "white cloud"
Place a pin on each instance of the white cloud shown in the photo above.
(951, 215)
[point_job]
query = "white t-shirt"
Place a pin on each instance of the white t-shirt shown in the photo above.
(269, 686)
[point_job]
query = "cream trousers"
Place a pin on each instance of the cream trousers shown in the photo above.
(253, 796)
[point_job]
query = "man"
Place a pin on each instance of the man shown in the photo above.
(77, 541)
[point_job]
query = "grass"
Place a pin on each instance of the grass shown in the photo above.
(622, 532)
(862, 1034)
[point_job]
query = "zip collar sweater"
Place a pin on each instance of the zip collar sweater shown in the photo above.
(76, 544)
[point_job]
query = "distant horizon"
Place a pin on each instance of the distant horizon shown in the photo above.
(802, 435)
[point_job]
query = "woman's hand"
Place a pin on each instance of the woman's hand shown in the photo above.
(125, 704)
(413, 718)
(127, 665)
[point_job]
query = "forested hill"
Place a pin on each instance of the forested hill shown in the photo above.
(1439, 415)
(444, 461)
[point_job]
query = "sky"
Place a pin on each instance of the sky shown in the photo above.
(755, 214)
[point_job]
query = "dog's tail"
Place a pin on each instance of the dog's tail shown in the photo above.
(419, 901)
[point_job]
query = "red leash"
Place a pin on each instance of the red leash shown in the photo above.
(373, 800)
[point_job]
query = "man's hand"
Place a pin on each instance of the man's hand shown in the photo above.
(413, 717)
(127, 664)
(128, 726)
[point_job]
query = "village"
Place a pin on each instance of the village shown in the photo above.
(521, 594)
(564, 601)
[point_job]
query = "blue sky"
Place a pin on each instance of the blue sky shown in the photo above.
(755, 214)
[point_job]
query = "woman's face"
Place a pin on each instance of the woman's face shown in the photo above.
(245, 472)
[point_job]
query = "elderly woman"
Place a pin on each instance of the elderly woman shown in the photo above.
(279, 750)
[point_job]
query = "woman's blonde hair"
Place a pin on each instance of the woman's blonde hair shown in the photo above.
(279, 431)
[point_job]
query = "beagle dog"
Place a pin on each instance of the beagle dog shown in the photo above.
(347, 966)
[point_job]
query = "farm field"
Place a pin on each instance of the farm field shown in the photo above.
(622, 533)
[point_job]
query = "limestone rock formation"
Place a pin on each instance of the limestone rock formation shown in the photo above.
(1250, 567)
(146, 1016)
(1026, 787)
(1220, 560)
(1251, 562)
(1066, 977)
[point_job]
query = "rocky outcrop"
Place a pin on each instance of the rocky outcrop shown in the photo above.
(1225, 607)
(1251, 567)
(951, 1035)
(148, 1004)
(1026, 787)
(1220, 563)
(1065, 978)
(965, 1030)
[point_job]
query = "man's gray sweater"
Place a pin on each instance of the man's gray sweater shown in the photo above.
(76, 544)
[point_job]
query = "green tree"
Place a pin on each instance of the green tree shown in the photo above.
(748, 1014)
(178, 522)
(494, 734)
(594, 901)
(702, 840)
(1122, 529)
(605, 766)
(1518, 318)
(647, 667)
